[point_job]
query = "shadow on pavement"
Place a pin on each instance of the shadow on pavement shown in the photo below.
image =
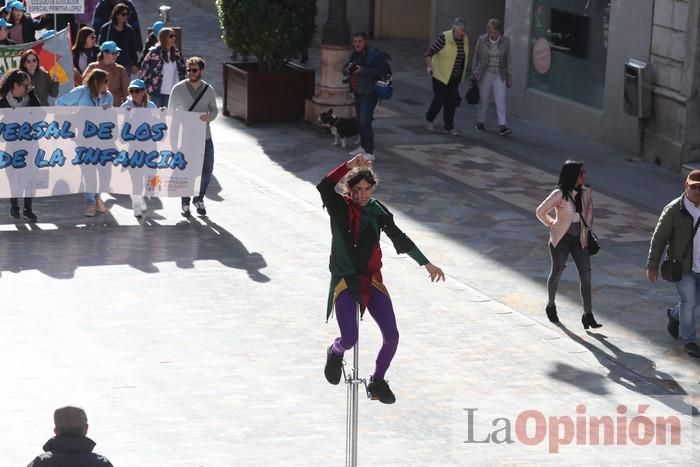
(58, 253)
(620, 371)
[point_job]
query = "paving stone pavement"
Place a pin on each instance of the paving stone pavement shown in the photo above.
(202, 343)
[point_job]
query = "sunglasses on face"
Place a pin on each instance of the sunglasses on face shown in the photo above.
(112, 53)
(135, 91)
(172, 36)
(123, 13)
(193, 70)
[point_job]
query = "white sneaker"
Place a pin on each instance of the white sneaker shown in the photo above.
(139, 205)
(429, 126)
(369, 156)
(453, 132)
(356, 151)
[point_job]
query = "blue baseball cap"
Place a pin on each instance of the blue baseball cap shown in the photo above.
(109, 47)
(137, 84)
(157, 26)
(5, 24)
(16, 5)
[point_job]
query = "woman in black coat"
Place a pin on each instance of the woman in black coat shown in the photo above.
(85, 52)
(120, 31)
(29, 25)
(14, 93)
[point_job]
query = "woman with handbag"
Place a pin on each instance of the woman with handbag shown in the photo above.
(491, 68)
(569, 235)
(675, 234)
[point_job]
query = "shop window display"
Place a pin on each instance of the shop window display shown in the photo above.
(570, 49)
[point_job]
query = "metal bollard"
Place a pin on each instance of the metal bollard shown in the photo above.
(164, 12)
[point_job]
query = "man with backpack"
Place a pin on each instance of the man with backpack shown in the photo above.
(365, 67)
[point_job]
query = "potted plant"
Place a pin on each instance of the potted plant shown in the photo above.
(271, 88)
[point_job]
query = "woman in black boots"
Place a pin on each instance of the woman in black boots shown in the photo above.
(572, 204)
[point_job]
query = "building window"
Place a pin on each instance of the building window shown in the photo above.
(569, 49)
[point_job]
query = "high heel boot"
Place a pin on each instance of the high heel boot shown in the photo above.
(589, 321)
(551, 310)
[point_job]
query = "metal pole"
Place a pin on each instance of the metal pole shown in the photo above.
(353, 382)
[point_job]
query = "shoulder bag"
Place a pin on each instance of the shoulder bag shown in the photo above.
(671, 269)
(593, 245)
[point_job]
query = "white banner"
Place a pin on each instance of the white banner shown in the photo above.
(48, 151)
(55, 6)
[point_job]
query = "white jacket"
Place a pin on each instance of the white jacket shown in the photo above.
(564, 211)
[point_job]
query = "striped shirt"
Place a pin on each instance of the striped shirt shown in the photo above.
(439, 43)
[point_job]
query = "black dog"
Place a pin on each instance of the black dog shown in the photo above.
(341, 128)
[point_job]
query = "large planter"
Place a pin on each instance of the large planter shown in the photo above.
(266, 97)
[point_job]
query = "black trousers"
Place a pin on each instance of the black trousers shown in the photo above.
(445, 98)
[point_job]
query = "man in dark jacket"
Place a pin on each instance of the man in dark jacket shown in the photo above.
(366, 66)
(104, 11)
(70, 447)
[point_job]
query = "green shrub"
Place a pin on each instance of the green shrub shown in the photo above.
(272, 30)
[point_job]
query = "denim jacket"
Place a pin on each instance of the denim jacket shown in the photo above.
(80, 97)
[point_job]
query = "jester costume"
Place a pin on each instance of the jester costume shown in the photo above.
(355, 265)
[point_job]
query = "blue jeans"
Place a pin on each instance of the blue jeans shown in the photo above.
(207, 170)
(688, 289)
(90, 197)
(364, 110)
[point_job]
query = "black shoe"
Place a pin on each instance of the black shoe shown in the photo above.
(551, 311)
(479, 126)
(692, 349)
(14, 212)
(379, 390)
(29, 215)
(589, 321)
(334, 366)
(201, 210)
(504, 130)
(672, 325)
(185, 210)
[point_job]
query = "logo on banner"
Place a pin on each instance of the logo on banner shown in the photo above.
(157, 183)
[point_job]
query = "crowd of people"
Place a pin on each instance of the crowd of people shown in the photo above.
(111, 68)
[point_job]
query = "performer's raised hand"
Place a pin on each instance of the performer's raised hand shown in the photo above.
(358, 161)
(435, 273)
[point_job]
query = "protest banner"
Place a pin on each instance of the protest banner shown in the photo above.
(55, 6)
(48, 151)
(54, 55)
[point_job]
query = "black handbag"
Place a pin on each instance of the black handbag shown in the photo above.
(593, 244)
(472, 95)
(671, 269)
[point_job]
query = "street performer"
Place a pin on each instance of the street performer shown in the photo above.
(355, 264)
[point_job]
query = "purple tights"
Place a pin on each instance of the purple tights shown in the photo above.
(382, 311)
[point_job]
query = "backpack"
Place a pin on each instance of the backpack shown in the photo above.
(383, 88)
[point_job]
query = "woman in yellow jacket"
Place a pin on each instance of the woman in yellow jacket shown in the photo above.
(446, 61)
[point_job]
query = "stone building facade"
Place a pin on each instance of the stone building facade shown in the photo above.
(575, 80)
